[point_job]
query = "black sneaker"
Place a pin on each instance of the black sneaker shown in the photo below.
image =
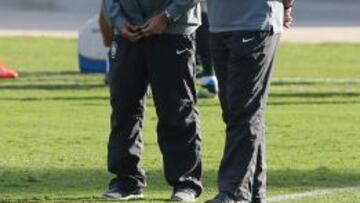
(183, 195)
(222, 198)
(115, 193)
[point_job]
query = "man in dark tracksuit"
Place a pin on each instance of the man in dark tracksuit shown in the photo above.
(154, 44)
(244, 39)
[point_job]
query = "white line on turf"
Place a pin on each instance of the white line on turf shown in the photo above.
(313, 193)
(39, 33)
(296, 34)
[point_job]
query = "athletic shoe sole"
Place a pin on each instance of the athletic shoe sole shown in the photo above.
(129, 197)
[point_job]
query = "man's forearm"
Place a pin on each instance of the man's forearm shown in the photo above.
(113, 14)
(288, 3)
(106, 29)
(288, 19)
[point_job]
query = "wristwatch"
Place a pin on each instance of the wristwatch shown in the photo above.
(169, 18)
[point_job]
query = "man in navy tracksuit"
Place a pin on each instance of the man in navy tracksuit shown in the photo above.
(244, 38)
(154, 45)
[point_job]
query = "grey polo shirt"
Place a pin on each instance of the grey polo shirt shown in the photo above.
(137, 12)
(238, 15)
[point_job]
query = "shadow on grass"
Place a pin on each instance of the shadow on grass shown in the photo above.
(30, 99)
(304, 95)
(49, 73)
(87, 184)
(288, 103)
(62, 86)
(294, 83)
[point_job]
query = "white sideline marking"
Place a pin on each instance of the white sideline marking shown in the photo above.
(313, 193)
(39, 33)
(322, 34)
(295, 34)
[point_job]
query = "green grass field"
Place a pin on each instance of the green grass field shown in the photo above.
(54, 126)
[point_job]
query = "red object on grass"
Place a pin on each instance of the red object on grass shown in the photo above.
(6, 73)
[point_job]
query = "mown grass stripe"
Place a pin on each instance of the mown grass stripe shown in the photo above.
(299, 80)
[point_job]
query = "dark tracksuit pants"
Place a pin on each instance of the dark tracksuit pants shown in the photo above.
(166, 62)
(243, 63)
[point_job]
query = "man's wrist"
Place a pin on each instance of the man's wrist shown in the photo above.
(170, 19)
(286, 7)
(288, 4)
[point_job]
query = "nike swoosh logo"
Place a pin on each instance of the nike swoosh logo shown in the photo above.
(179, 52)
(247, 40)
